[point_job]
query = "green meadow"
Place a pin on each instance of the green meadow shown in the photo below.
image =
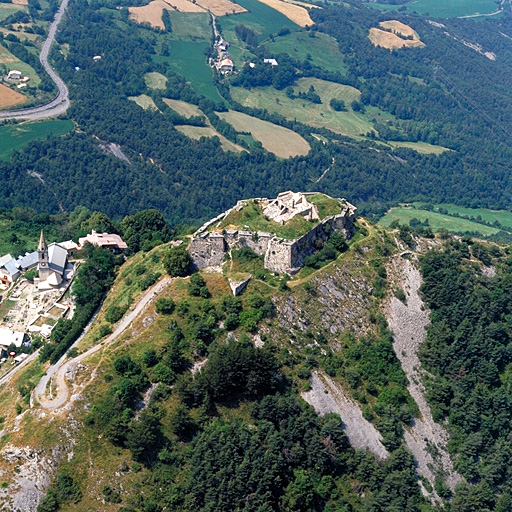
(189, 60)
(444, 8)
(436, 221)
(322, 50)
(15, 136)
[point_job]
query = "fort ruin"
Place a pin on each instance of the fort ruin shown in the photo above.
(209, 247)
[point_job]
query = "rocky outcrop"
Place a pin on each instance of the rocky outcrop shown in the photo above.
(282, 256)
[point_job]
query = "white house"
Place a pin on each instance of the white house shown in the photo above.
(272, 62)
(8, 270)
(14, 74)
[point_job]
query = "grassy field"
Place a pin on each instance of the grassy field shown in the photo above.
(326, 205)
(323, 116)
(196, 132)
(281, 141)
(190, 26)
(322, 49)
(436, 221)
(7, 9)
(502, 216)
(144, 101)
(444, 8)
(16, 136)
(262, 19)
(188, 59)
(421, 147)
(155, 80)
(183, 108)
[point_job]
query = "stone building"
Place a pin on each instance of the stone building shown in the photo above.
(280, 255)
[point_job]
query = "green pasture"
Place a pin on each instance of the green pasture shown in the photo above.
(7, 9)
(421, 147)
(261, 18)
(15, 136)
(322, 49)
(155, 80)
(190, 25)
(436, 221)
(321, 115)
(12, 62)
(444, 8)
(188, 59)
(479, 214)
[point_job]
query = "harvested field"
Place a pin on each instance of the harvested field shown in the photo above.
(9, 98)
(293, 12)
(397, 27)
(196, 132)
(155, 80)
(20, 2)
(392, 41)
(283, 142)
(151, 13)
(221, 7)
(144, 101)
(184, 6)
(183, 109)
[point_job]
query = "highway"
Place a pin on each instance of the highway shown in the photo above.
(60, 104)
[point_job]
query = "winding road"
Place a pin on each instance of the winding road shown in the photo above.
(60, 104)
(56, 374)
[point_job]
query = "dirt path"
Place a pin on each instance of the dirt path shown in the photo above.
(360, 432)
(60, 104)
(56, 377)
(408, 323)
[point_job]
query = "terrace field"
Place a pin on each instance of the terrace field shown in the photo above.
(15, 136)
(321, 115)
(281, 141)
(436, 221)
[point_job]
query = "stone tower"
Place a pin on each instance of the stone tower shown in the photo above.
(42, 251)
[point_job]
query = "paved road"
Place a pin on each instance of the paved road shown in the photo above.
(61, 103)
(57, 372)
(17, 368)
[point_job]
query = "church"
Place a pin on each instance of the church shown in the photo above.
(51, 263)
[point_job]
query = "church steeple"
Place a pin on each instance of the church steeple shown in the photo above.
(42, 251)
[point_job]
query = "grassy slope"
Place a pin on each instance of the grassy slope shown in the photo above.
(8, 9)
(11, 62)
(13, 137)
(197, 132)
(436, 221)
(144, 101)
(323, 49)
(323, 116)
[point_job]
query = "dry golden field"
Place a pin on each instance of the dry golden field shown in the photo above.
(196, 132)
(293, 12)
(392, 40)
(151, 13)
(221, 7)
(144, 101)
(10, 98)
(183, 108)
(185, 6)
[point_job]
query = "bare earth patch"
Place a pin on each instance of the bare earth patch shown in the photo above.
(9, 98)
(360, 432)
(221, 7)
(408, 322)
(281, 141)
(392, 36)
(294, 12)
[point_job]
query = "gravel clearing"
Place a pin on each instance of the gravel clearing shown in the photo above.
(408, 323)
(360, 432)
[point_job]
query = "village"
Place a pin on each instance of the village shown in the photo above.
(36, 292)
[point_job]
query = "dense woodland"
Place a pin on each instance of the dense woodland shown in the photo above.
(445, 93)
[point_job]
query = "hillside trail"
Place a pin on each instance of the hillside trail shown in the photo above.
(56, 376)
(408, 322)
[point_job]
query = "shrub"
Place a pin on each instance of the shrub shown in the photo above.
(164, 306)
(178, 262)
(115, 313)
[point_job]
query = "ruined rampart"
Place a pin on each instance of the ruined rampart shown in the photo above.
(280, 255)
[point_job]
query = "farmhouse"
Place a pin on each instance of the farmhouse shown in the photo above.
(272, 62)
(14, 75)
(8, 270)
(112, 242)
(225, 66)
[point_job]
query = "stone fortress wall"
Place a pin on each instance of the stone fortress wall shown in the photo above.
(282, 256)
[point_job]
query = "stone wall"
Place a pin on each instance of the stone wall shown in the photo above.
(282, 256)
